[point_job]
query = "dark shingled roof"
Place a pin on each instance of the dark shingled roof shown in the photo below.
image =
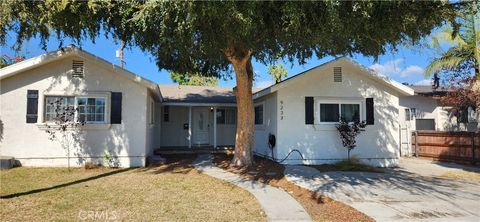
(198, 94)
(429, 91)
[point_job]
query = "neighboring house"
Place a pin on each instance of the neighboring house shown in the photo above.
(119, 109)
(424, 112)
(137, 116)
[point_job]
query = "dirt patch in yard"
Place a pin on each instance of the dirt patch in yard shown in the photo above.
(320, 208)
(462, 175)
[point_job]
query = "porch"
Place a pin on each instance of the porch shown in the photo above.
(197, 128)
(197, 119)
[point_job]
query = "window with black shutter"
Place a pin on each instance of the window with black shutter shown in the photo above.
(370, 111)
(116, 108)
(32, 106)
(308, 110)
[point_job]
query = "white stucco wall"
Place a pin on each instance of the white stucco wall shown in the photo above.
(260, 142)
(30, 144)
(320, 144)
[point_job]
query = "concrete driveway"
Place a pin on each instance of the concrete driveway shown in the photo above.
(417, 190)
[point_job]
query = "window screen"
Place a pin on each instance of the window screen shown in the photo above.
(220, 116)
(350, 112)
(226, 116)
(329, 112)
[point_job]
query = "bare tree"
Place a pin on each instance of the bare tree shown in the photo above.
(62, 124)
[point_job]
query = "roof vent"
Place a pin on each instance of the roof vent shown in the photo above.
(337, 74)
(78, 68)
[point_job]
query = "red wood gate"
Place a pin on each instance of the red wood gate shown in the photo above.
(450, 146)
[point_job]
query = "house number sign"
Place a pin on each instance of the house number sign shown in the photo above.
(281, 109)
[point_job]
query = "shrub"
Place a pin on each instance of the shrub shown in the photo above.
(91, 165)
(110, 160)
(348, 133)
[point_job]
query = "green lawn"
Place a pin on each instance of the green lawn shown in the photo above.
(171, 192)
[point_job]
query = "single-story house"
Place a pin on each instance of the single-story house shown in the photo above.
(130, 117)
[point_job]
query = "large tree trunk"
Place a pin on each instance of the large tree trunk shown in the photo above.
(475, 85)
(245, 114)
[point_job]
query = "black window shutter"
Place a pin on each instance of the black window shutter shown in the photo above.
(464, 115)
(309, 110)
(370, 111)
(116, 108)
(32, 106)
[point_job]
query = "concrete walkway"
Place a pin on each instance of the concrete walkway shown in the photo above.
(399, 194)
(277, 204)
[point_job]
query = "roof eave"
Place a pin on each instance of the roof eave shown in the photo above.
(72, 50)
(35, 62)
(402, 89)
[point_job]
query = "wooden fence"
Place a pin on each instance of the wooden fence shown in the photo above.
(449, 146)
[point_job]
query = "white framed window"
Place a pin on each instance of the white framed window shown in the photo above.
(410, 114)
(226, 116)
(258, 109)
(91, 109)
(330, 112)
(59, 107)
(88, 109)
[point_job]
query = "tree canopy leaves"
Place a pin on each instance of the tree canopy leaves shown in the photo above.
(277, 72)
(193, 79)
(459, 65)
(186, 36)
(462, 56)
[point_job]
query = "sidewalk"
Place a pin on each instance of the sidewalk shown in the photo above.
(277, 204)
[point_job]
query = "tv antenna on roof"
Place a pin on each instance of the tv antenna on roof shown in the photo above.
(119, 54)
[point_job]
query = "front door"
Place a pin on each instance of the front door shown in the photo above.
(201, 127)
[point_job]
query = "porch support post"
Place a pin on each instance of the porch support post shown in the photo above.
(215, 127)
(190, 127)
